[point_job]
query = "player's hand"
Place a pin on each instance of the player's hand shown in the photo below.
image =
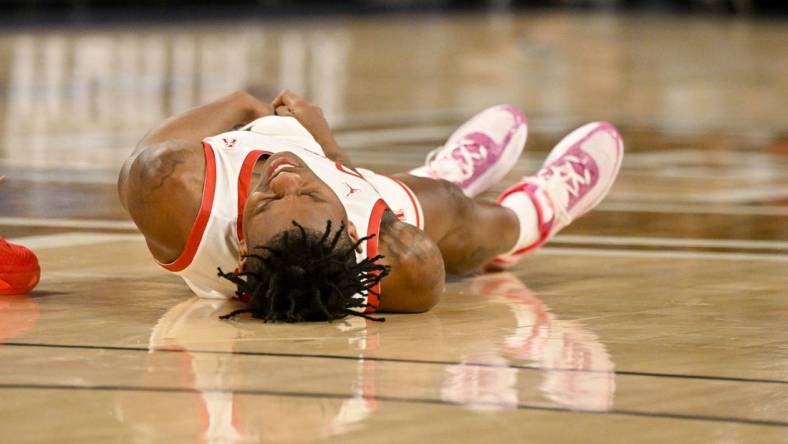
(311, 117)
(308, 115)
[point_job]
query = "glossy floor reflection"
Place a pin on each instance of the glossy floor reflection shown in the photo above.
(660, 317)
(188, 347)
(144, 361)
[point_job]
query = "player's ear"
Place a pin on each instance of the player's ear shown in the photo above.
(353, 233)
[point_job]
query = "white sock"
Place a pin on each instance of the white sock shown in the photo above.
(524, 209)
(421, 171)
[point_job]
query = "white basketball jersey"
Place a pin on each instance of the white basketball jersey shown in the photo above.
(214, 240)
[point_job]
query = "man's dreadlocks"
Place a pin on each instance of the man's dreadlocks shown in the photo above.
(302, 275)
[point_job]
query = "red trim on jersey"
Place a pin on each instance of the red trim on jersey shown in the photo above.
(346, 170)
(372, 248)
(244, 179)
(368, 384)
(412, 199)
(195, 235)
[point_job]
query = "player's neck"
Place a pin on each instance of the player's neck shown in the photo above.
(257, 171)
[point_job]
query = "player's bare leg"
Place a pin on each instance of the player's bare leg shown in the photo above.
(477, 155)
(469, 233)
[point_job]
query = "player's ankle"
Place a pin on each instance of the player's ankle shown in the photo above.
(534, 212)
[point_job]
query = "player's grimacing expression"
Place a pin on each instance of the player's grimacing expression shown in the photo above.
(288, 190)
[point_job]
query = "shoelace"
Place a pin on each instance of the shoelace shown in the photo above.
(567, 179)
(452, 169)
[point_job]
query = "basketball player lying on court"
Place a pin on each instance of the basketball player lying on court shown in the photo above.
(265, 195)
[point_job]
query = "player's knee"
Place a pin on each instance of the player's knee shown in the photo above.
(461, 204)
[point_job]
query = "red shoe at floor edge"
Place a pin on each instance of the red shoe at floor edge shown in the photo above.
(19, 269)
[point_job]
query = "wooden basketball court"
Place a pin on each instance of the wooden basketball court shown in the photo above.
(660, 317)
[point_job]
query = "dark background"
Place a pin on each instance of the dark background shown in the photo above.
(36, 12)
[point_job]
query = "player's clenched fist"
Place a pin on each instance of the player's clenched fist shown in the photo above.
(308, 115)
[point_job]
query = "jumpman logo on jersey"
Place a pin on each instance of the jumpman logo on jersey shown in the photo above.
(229, 142)
(350, 190)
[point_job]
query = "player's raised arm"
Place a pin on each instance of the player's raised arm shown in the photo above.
(184, 132)
(221, 115)
(160, 184)
(311, 117)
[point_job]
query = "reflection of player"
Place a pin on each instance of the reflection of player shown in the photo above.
(482, 381)
(271, 201)
(18, 314)
(578, 372)
(222, 416)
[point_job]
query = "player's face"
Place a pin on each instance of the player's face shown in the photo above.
(286, 191)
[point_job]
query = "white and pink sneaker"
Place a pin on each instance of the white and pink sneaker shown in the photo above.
(575, 177)
(480, 152)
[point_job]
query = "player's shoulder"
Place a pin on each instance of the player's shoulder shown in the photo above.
(161, 187)
(160, 168)
(417, 275)
(405, 240)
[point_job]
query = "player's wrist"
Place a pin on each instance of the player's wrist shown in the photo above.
(253, 108)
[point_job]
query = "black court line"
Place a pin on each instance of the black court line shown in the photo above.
(520, 406)
(397, 360)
